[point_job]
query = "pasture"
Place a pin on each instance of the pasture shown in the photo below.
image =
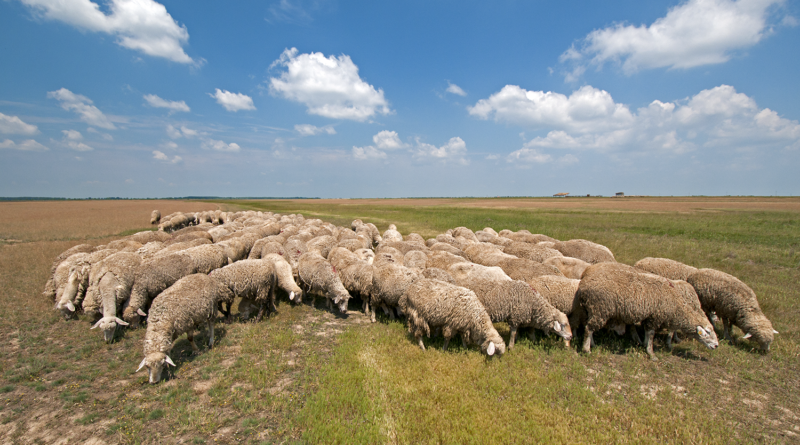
(307, 376)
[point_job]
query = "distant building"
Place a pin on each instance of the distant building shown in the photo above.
(561, 195)
(620, 194)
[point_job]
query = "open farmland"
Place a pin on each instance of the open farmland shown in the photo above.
(305, 375)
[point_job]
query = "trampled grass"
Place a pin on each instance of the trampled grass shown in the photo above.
(307, 376)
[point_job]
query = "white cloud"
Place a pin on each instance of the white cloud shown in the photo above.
(169, 144)
(329, 87)
(589, 119)
(587, 109)
(368, 152)
(72, 140)
(455, 89)
(72, 135)
(78, 146)
(454, 149)
(694, 33)
(233, 101)
(26, 145)
(311, 130)
(83, 106)
(159, 155)
(105, 136)
(14, 125)
(157, 102)
(183, 131)
(388, 140)
(211, 144)
(140, 25)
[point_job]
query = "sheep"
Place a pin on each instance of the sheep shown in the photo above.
(735, 303)
(150, 249)
(388, 253)
(354, 244)
(365, 255)
(263, 249)
(529, 238)
(114, 278)
(185, 306)
(488, 277)
(72, 293)
(486, 254)
(415, 259)
(456, 310)
(403, 246)
(460, 243)
(355, 273)
(189, 236)
(533, 252)
(391, 234)
(294, 248)
(149, 236)
(560, 292)
(434, 273)
(568, 266)
(322, 245)
(524, 269)
(360, 226)
(484, 236)
(666, 267)
(465, 233)
(235, 249)
(155, 217)
(50, 286)
(585, 250)
(448, 248)
(319, 277)
(415, 238)
(443, 260)
(611, 291)
(122, 244)
(177, 247)
(390, 279)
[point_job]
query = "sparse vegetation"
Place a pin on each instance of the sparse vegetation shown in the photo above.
(305, 375)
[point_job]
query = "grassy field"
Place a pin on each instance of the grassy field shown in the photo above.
(307, 376)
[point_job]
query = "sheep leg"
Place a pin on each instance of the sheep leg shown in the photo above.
(190, 337)
(587, 340)
(635, 335)
(210, 333)
(532, 335)
(513, 337)
(669, 340)
(648, 343)
(261, 311)
(726, 323)
(464, 341)
(675, 338)
(447, 333)
(419, 340)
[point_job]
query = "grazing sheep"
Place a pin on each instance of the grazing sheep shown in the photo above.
(188, 304)
(149, 236)
(486, 254)
(443, 260)
(561, 293)
(355, 273)
(390, 279)
(113, 278)
(354, 244)
(485, 237)
(294, 248)
(256, 280)
(388, 253)
(523, 269)
(322, 245)
(235, 250)
(434, 273)
(464, 233)
(588, 251)
(319, 277)
(189, 236)
(431, 304)
(415, 259)
(415, 238)
(570, 267)
(484, 278)
(391, 234)
(150, 249)
(50, 286)
(264, 249)
(733, 302)
(70, 294)
(611, 291)
(403, 246)
(460, 243)
(666, 267)
(177, 247)
(155, 217)
(533, 252)
(447, 248)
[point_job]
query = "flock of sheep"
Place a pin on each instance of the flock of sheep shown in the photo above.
(457, 284)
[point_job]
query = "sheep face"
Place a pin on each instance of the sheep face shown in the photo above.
(762, 331)
(340, 299)
(707, 336)
(492, 346)
(109, 325)
(155, 363)
(561, 327)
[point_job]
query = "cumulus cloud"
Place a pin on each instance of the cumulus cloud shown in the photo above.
(329, 87)
(311, 130)
(182, 132)
(388, 140)
(81, 105)
(140, 25)
(173, 106)
(14, 125)
(161, 156)
(455, 89)
(233, 101)
(26, 145)
(368, 152)
(73, 138)
(589, 119)
(211, 144)
(693, 33)
(453, 150)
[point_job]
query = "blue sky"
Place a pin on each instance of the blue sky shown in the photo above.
(138, 98)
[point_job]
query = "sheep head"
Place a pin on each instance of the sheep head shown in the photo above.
(707, 336)
(109, 325)
(561, 326)
(155, 362)
(760, 329)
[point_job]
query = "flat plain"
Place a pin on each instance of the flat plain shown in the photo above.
(307, 376)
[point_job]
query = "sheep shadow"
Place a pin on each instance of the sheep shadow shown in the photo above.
(182, 352)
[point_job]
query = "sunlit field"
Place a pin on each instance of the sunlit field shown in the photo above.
(307, 376)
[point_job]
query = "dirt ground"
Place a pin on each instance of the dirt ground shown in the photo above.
(630, 204)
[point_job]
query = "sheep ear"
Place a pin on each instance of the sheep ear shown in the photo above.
(168, 360)
(557, 326)
(70, 306)
(775, 332)
(336, 300)
(748, 335)
(121, 322)
(141, 312)
(291, 296)
(490, 349)
(97, 324)
(141, 365)
(701, 332)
